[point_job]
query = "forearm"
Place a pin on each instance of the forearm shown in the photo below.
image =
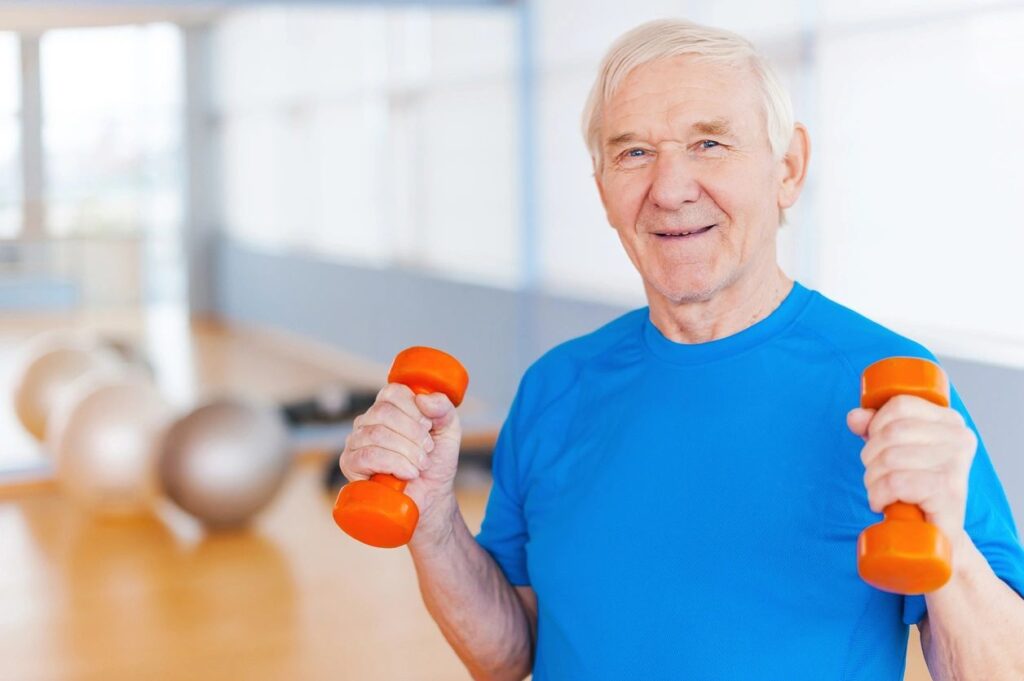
(975, 623)
(473, 603)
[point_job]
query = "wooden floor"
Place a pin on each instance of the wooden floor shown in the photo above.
(293, 598)
(156, 598)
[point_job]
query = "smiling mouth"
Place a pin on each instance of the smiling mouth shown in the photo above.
(685, 235)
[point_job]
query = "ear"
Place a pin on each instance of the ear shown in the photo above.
(795, 166)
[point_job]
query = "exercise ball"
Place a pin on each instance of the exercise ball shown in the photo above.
(107, 448)
(50, 364)
(65, 399)
(224, 461)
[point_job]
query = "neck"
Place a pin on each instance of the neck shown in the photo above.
(725, 312)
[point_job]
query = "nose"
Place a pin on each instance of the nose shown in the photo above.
(675, 181)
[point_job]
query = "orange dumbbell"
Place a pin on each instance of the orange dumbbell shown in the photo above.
(376, 511)
(904, 554)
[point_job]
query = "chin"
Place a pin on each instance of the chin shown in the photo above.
(680, 292)
(681, 280)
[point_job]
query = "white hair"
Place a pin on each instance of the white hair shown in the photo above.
(666, 38)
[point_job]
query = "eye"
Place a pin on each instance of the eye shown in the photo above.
(704, 144)
(634, 157)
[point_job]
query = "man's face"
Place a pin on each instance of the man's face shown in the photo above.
(685, 149)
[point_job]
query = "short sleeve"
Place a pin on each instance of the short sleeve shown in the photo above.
(989, 523)
(503, 533)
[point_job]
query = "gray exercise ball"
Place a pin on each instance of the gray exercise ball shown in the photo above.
(106, 450)
(224, 461)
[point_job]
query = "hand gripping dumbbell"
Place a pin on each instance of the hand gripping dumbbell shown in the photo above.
(376, 511)
(904, 554)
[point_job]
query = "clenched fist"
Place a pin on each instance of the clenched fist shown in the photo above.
(415, 438)
(919, 453)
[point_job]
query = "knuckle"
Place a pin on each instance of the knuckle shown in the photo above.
(885, 458)
(902, 403)
(383, 410)
(875, 498)
(376, 454)
(894, 458)
(357, 462)
(376, 432)
(394, 391)
(905, 485)
(894, 430)
(380, 460)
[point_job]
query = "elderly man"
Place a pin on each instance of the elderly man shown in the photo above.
(678, 494)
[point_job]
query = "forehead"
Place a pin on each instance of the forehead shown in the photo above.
(682, 89)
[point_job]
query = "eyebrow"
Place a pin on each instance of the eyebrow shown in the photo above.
(715, 126)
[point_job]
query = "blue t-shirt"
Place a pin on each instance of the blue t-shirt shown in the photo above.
(691, 512)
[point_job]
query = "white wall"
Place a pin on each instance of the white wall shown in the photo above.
(386, 137)
(921, 175)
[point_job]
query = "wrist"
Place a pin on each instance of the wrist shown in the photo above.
(965, 567)
(435, 531)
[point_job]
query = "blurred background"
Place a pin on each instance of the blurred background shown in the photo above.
(270, 200)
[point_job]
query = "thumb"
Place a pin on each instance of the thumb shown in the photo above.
(859, 420)
(441, 412)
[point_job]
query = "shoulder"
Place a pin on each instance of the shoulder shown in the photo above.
(557, 370)
(854, 337)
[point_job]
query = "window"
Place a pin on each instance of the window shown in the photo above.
(382, 137)
(10, 134)
(112, 129)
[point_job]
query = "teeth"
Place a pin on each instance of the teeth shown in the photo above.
(702, 229)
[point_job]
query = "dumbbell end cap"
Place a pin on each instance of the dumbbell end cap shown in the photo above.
(375, 514)
(908, 558)
(429, 370)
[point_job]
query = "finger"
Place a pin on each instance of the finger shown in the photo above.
(905, 458)
(903, 432)
(370, 460)
(344, 463)
(907, 407)
(858, 420)
(402, 397)
(380, 435)
(416, 431)
(910, 487)
(439, 409)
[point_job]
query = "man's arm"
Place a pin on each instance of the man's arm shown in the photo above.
(920, 453)
(416, 438)
(974, 628)
(490, 624)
